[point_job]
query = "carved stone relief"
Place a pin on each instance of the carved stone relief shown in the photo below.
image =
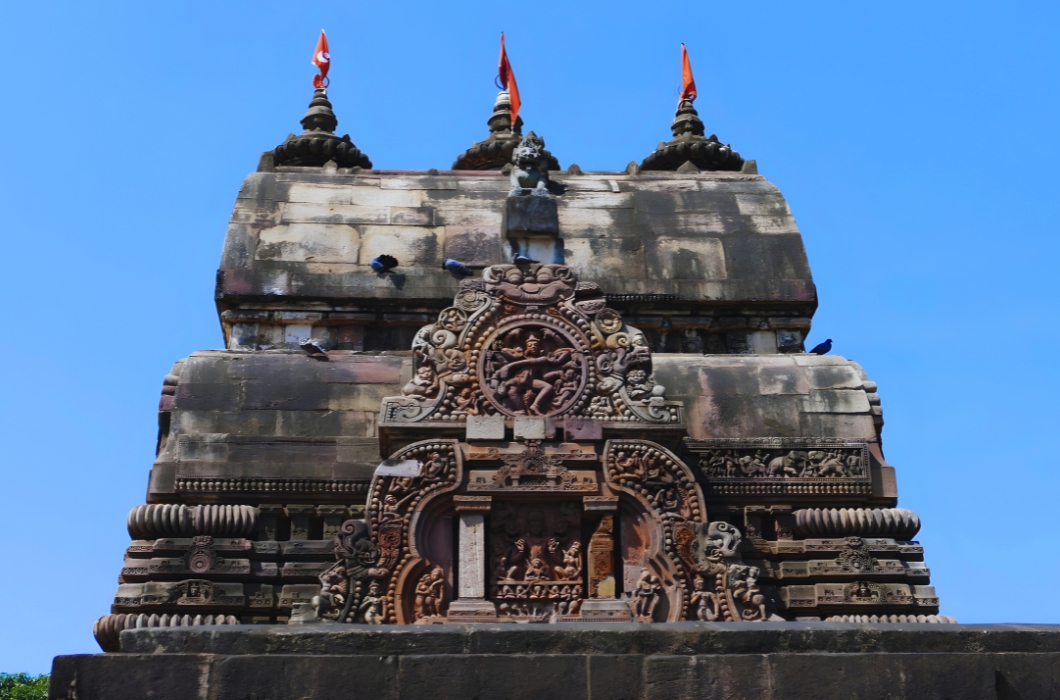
(372, 554)
(782, 466)
(725, 589)
(531, 340)
(536, 558)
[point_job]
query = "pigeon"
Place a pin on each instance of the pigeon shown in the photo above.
(383, 263)
(455, 266)
(521, 259)
(823, 348)
(315, 346)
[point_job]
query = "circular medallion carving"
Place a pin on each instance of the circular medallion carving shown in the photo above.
(533, 369)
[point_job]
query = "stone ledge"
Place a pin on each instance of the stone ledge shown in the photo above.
(693, 661)
(678, 638)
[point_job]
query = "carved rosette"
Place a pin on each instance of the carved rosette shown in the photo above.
(531, 340)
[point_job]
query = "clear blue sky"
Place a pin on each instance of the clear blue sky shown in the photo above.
(916, 144)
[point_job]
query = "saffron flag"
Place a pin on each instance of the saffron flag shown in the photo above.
(322, 60)
(507, 81)
(688, 83)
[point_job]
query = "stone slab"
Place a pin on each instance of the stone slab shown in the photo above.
(774, 661)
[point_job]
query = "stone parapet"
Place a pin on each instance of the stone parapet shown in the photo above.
(678, 661)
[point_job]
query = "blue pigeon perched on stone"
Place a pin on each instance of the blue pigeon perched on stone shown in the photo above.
(315, 346)
(521, 259)
(455, 266)
(383, 263)
(822, 348)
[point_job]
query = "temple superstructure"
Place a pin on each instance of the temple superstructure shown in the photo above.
(605, 413)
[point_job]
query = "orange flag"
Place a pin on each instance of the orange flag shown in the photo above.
(688, 83)
(322, 60)
(507, 81)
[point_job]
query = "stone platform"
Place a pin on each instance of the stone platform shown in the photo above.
(774, 661)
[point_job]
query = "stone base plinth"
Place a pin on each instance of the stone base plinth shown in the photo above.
(467, 611)
(598, 661)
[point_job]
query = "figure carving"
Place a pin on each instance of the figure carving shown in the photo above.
(372, 606)
(646, 596)
(536, 554)
(711, 551)
(530, 168)
(781, 463)
(430, 592)
(530, 369)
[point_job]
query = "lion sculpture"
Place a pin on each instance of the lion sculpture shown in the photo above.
(529, 168)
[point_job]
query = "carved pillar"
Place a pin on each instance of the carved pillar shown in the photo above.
(602, 604)
(471, 604)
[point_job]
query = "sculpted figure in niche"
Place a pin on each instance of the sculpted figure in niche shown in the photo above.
(529, 553)
(646, 596)
(528, 372)
(702, 601)
(543, 547)
(371, 608)
(430, 591)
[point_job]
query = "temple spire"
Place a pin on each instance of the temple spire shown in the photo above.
(495, 151)
(318, 144)
(689, 149)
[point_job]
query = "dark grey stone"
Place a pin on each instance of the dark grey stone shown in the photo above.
(532, 215)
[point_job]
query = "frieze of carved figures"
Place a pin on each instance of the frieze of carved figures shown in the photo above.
(779, 465)
(531, 340)
(372, 553)
(536, 558)
(724, 589)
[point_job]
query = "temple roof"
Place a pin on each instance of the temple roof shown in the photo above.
(702, 238)
(282, 419)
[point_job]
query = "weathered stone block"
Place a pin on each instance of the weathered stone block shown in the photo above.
(529, 428)
(485, 427)
(532, 215)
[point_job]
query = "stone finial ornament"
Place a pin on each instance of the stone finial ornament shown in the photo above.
(496, 150)
(318, 144)
(690, 146)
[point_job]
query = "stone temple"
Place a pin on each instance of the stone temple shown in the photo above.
(486, 431)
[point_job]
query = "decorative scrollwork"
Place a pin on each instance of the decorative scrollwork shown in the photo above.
(516, 342)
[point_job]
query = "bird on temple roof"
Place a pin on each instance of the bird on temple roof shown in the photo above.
(822, 348)
(315, 346)
(456, 267)
(383, 263)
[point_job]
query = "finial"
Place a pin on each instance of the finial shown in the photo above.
(690, 150)
(318, 144)
(496, 151)
(500, 122)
